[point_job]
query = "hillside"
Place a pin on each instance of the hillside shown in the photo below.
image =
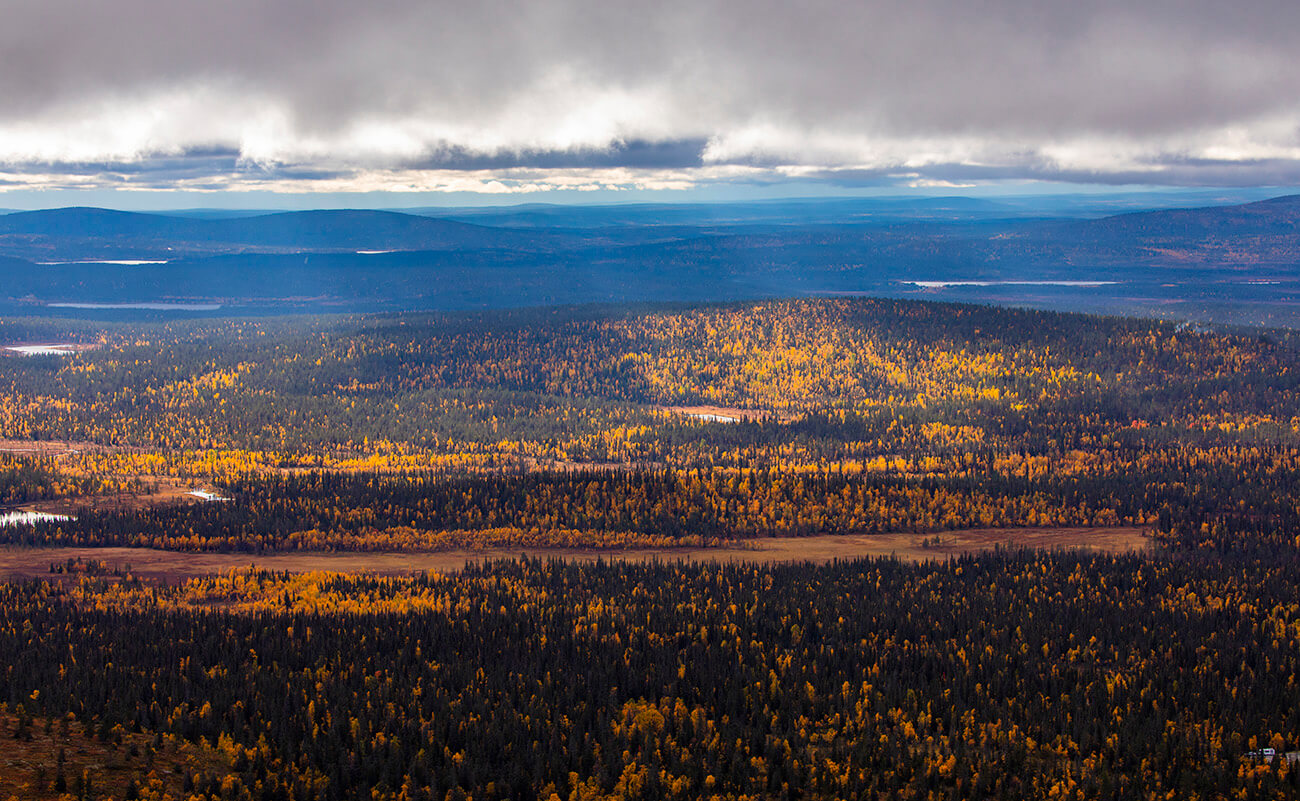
(1277, 216)
(605, 426)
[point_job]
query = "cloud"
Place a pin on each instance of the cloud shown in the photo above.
(320, 95)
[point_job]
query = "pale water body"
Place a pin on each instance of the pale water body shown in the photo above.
(121, 262)
(149, 306)
(23, 518)
(41, 350)
(945, 284)
(713, 418)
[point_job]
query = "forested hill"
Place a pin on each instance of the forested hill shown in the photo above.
(1278, 216)
(585, 426)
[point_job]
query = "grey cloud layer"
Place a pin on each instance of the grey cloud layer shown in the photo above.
(1092, 90)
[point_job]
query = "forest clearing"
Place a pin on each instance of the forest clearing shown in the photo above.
(150, 563)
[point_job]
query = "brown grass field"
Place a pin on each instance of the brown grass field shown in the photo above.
(29, 764)
(19, 562)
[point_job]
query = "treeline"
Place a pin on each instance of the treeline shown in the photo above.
(1010, 675)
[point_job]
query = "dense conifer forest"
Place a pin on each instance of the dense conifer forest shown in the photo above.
(1009, 675)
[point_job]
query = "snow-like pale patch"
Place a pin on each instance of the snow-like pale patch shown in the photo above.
(24, 518)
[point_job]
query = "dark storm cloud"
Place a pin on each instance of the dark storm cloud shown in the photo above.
(1159, 90)
(673, 154)
(157, 170)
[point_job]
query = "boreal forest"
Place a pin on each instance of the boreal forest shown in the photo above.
(132, 450)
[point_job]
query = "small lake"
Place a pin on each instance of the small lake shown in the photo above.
(149, 306)
(713, 418)
(946, 284)
(121, 262)
(28, 518)
(40, 350)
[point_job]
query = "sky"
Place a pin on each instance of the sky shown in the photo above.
(188, 103)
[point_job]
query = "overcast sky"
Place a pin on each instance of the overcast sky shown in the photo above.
(552, 97)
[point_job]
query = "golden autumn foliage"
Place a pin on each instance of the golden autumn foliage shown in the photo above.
(861, 416)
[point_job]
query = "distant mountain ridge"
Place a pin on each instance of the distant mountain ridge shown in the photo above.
(1273, 216)
(81, 233)
(1155, 261)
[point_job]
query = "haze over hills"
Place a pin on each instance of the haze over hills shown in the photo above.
(77, 234)
(1228, 263)
(1274, 216)
(840, 210)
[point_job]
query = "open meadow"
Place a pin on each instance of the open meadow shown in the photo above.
(18, 562)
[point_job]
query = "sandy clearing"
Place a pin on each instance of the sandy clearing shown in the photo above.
(720, 413)
(19, 562)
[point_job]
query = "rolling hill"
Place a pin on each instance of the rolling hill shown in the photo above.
(84, 234)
